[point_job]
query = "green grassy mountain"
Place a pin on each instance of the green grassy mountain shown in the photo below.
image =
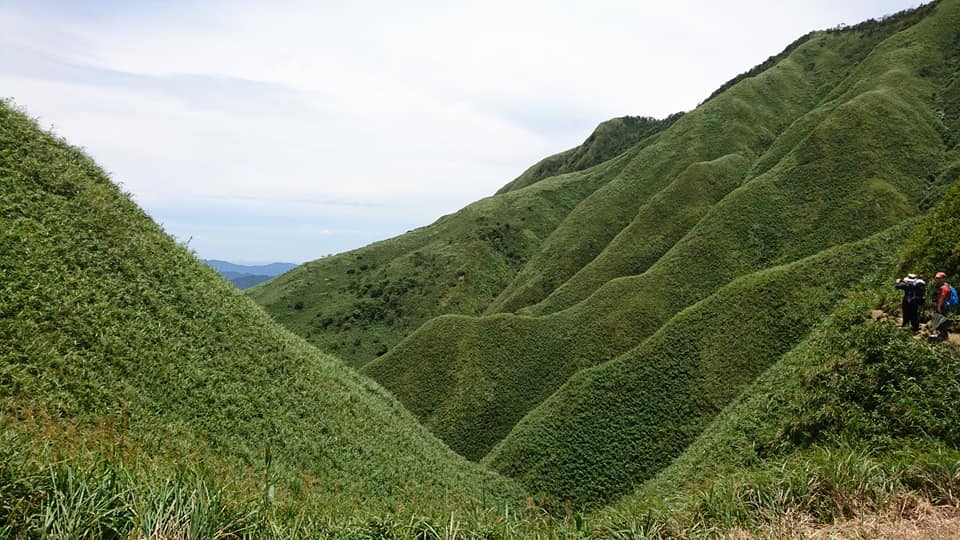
(651, 327)
(359, 304)
(851, 166)
(708, 247)
(120, 346)
(613, 425)
(852, 172)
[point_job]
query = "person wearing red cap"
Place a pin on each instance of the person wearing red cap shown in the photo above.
(942, 307)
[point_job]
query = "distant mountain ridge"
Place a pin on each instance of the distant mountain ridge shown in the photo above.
(246, 276)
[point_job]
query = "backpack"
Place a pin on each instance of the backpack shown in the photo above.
(917, 291)
(952, 300)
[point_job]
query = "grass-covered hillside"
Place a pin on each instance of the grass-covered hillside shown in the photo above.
(869, 158)
(662, 332)
(616, 424)
(858, 419)
(123, 356)
(359, 304)
(143, 396)
(761, 119)
(935, 245)
(608, 208)
(843, 136)
(838, 141)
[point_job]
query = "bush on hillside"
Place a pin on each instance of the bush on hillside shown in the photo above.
(880, 386)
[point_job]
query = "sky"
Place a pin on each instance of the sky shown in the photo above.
(259, 131)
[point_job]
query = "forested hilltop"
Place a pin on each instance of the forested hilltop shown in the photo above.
(664, 332)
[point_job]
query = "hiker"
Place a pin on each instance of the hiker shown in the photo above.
(946, 301)
(914, 290)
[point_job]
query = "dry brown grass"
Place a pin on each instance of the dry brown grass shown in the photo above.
(910, 518)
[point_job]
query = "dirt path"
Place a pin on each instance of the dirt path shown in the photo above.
(925, 332)
(923, 522)
(913, 520)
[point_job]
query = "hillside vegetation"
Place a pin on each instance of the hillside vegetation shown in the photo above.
(827, 187)
(854, 163)
(610, 139)
(621, 422)
(677, 255)
(661, 332)
(121, 349)
(857, 419)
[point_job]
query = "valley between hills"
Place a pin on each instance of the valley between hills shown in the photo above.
(662, 332)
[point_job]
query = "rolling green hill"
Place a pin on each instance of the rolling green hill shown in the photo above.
(859, 142)
(118, 342)
(610, 139)
(614, 425)
(664, 326)
(761, 119)
(652, 261)
(797, 205)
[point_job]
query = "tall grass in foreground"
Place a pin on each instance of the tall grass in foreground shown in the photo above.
(104, 498)
(108, 493)
(101, 495)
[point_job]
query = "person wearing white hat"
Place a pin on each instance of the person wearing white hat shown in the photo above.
(913, 289)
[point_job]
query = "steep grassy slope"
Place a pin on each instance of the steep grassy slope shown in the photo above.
(663, 220)
(520, 247)
(935, 245)
(862, 166)
(744, 121)
(853, 164)
(359, 304)
(610, 139)
(856, 418)
(105, 321)
(615, 425)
